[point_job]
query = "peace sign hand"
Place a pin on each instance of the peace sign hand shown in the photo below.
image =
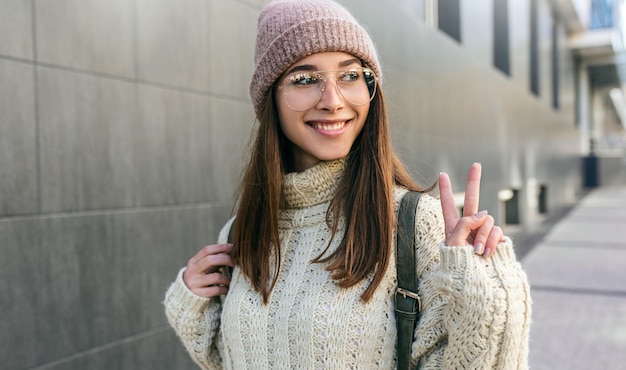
(474, 228)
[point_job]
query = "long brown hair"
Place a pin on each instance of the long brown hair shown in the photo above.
(366, 188)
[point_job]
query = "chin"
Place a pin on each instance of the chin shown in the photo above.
(327, 157)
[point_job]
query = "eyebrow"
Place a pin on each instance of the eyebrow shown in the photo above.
(310, 67)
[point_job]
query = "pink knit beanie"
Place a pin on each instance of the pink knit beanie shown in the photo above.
(289, 30)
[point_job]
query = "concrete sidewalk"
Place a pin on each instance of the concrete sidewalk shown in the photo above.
(578, 285)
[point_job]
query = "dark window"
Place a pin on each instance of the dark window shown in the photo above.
(449, 18)
(543, 199)
(511, 209)
(534, 49)
(555, 64)
(501, 36)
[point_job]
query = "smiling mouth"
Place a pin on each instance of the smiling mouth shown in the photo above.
(336, 126)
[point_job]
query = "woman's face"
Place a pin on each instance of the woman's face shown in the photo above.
(327, 129)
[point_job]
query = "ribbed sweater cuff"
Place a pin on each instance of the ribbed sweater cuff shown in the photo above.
(180, 293)
(455, 258)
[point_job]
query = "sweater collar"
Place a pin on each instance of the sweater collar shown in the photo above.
(314, 186)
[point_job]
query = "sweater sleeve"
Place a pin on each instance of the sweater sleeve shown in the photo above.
(476, 311)
(195, 319)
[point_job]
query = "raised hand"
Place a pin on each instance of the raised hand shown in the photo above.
(474, 228)
(203, 276)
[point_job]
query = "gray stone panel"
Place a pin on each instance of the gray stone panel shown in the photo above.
(519, 15)
(477, 30)
(87, 282)
(20, 286)
(82, 282)
(110, 144)
(544, 34)
(18, 139)
(609, 199)
(578, 267)
(173, 138)
(412, 8)
(90, 35)
(173, 43)
(160, 350)
(587, 230)
(577, 331)
(87, 128)
(254, 3)
(233, 124)
(566, 65)
(16, 37)
(388, 40)
(233, 32)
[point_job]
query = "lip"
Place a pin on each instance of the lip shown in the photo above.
(328, 127)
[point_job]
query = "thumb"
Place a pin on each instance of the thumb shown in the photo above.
(480, 216)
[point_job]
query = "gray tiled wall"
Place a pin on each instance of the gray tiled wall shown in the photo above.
(18, 134)
(87, 130)
(124, 127)
(173, 43)
(16, 26)
(90, 35)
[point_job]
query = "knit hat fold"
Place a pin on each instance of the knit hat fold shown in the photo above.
(289, 30)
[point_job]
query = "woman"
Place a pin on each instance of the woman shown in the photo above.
(314, 277)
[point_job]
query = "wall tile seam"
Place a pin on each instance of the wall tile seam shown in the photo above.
(128, 80)
(114, 211)
(104, 347)
(33, 17)
(135, 41)
(16, 59)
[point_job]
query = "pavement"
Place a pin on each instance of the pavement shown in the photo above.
(577, 274)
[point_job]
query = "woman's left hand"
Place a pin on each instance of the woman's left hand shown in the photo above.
(474, 228)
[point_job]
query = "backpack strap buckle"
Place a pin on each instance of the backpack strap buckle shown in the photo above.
(407, 293)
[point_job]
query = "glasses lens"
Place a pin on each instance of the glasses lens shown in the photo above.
(303, 90)
(357, 86)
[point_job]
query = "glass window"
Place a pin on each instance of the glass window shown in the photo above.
(449, 18)
(534, 48)
(501, 36)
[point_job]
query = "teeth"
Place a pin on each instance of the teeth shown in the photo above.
(328, 127)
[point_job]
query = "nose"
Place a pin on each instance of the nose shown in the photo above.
(331, 98)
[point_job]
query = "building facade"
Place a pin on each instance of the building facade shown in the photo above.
(124, 126)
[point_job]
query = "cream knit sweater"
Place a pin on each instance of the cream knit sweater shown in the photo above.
(476, 310)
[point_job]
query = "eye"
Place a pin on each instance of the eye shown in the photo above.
(349, 76)
(368, 75)
(303, 79)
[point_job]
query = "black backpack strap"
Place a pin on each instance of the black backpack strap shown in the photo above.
(228, 270)
(230, 232)
(407, 302)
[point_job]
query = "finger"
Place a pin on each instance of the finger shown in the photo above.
(216, 278)
(492, 242)
(208, 250)
(482, 234)
(210, 292)
(464, 228)
(212, 263)
(472, 190)
(196, 282)
(450, 214)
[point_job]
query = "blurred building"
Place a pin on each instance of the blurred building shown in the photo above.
(124, 125)
(596, 37)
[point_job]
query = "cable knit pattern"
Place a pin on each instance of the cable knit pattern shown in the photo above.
(476, 311)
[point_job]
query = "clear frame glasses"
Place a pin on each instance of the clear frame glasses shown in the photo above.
(302, 90)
